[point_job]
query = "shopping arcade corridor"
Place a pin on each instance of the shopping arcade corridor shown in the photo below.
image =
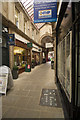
(24, 98)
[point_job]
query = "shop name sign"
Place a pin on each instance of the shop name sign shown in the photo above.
(29, 45)
(11, 39)
(45, 11)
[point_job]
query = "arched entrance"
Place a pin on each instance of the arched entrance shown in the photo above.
(47, 42)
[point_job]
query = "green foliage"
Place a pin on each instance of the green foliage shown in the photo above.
(15, 67)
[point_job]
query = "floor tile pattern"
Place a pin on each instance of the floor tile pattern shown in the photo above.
(22, 101)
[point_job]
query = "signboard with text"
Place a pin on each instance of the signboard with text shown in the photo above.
(29, 45)
(3, 83)
(11, 39)
(45, 11)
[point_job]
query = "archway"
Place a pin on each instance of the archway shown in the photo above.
(47, 42)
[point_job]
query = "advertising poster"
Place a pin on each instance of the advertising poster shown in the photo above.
(3, 83)
(45, 11)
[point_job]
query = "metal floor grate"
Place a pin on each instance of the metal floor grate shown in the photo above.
(50, 97)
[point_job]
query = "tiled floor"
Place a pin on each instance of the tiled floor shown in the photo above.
(22, 101)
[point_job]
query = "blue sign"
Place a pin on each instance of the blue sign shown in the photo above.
(45, 11)
(11, 39)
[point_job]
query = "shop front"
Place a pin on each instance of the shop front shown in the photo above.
(36, 57)
(22, 56)
(68, 58)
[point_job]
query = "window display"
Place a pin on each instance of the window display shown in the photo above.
(36, 58)
(21, 58)
(64, 64)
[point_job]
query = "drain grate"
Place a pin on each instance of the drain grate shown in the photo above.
(50, 97)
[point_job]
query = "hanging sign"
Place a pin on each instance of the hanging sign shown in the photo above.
(11, 39)
(29, 45)
(45, 11)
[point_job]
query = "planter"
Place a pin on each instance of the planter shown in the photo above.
(21, 70)
(15, 74)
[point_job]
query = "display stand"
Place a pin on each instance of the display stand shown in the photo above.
(3, 83)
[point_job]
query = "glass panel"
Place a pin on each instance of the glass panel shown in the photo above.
(16, 17)
(68, 65)
(79, 49)
(64, 63)
(79, 94)
(75, 63)
(79, 66)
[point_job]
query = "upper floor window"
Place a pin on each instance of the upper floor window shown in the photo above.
(16, 17)
(32, 33)
(25, 25)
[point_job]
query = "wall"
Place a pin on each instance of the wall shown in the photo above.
(8, 10)
(46, 29)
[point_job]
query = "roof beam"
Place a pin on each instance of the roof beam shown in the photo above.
(30, 13)
(29, 7)
(25, 2)
(29, 10)
(28, 3)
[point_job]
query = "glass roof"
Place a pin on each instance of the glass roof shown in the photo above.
(28, 4)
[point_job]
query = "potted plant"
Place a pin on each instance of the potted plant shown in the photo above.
(15, 72)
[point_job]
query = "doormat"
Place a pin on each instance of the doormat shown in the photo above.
(50, 97)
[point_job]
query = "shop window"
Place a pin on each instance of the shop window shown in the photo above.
(77, 63)
(64, 64)
(20, 56)
(68, 63)
(32, 33)
(25, 25)
(17, 17)
(28, 27)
